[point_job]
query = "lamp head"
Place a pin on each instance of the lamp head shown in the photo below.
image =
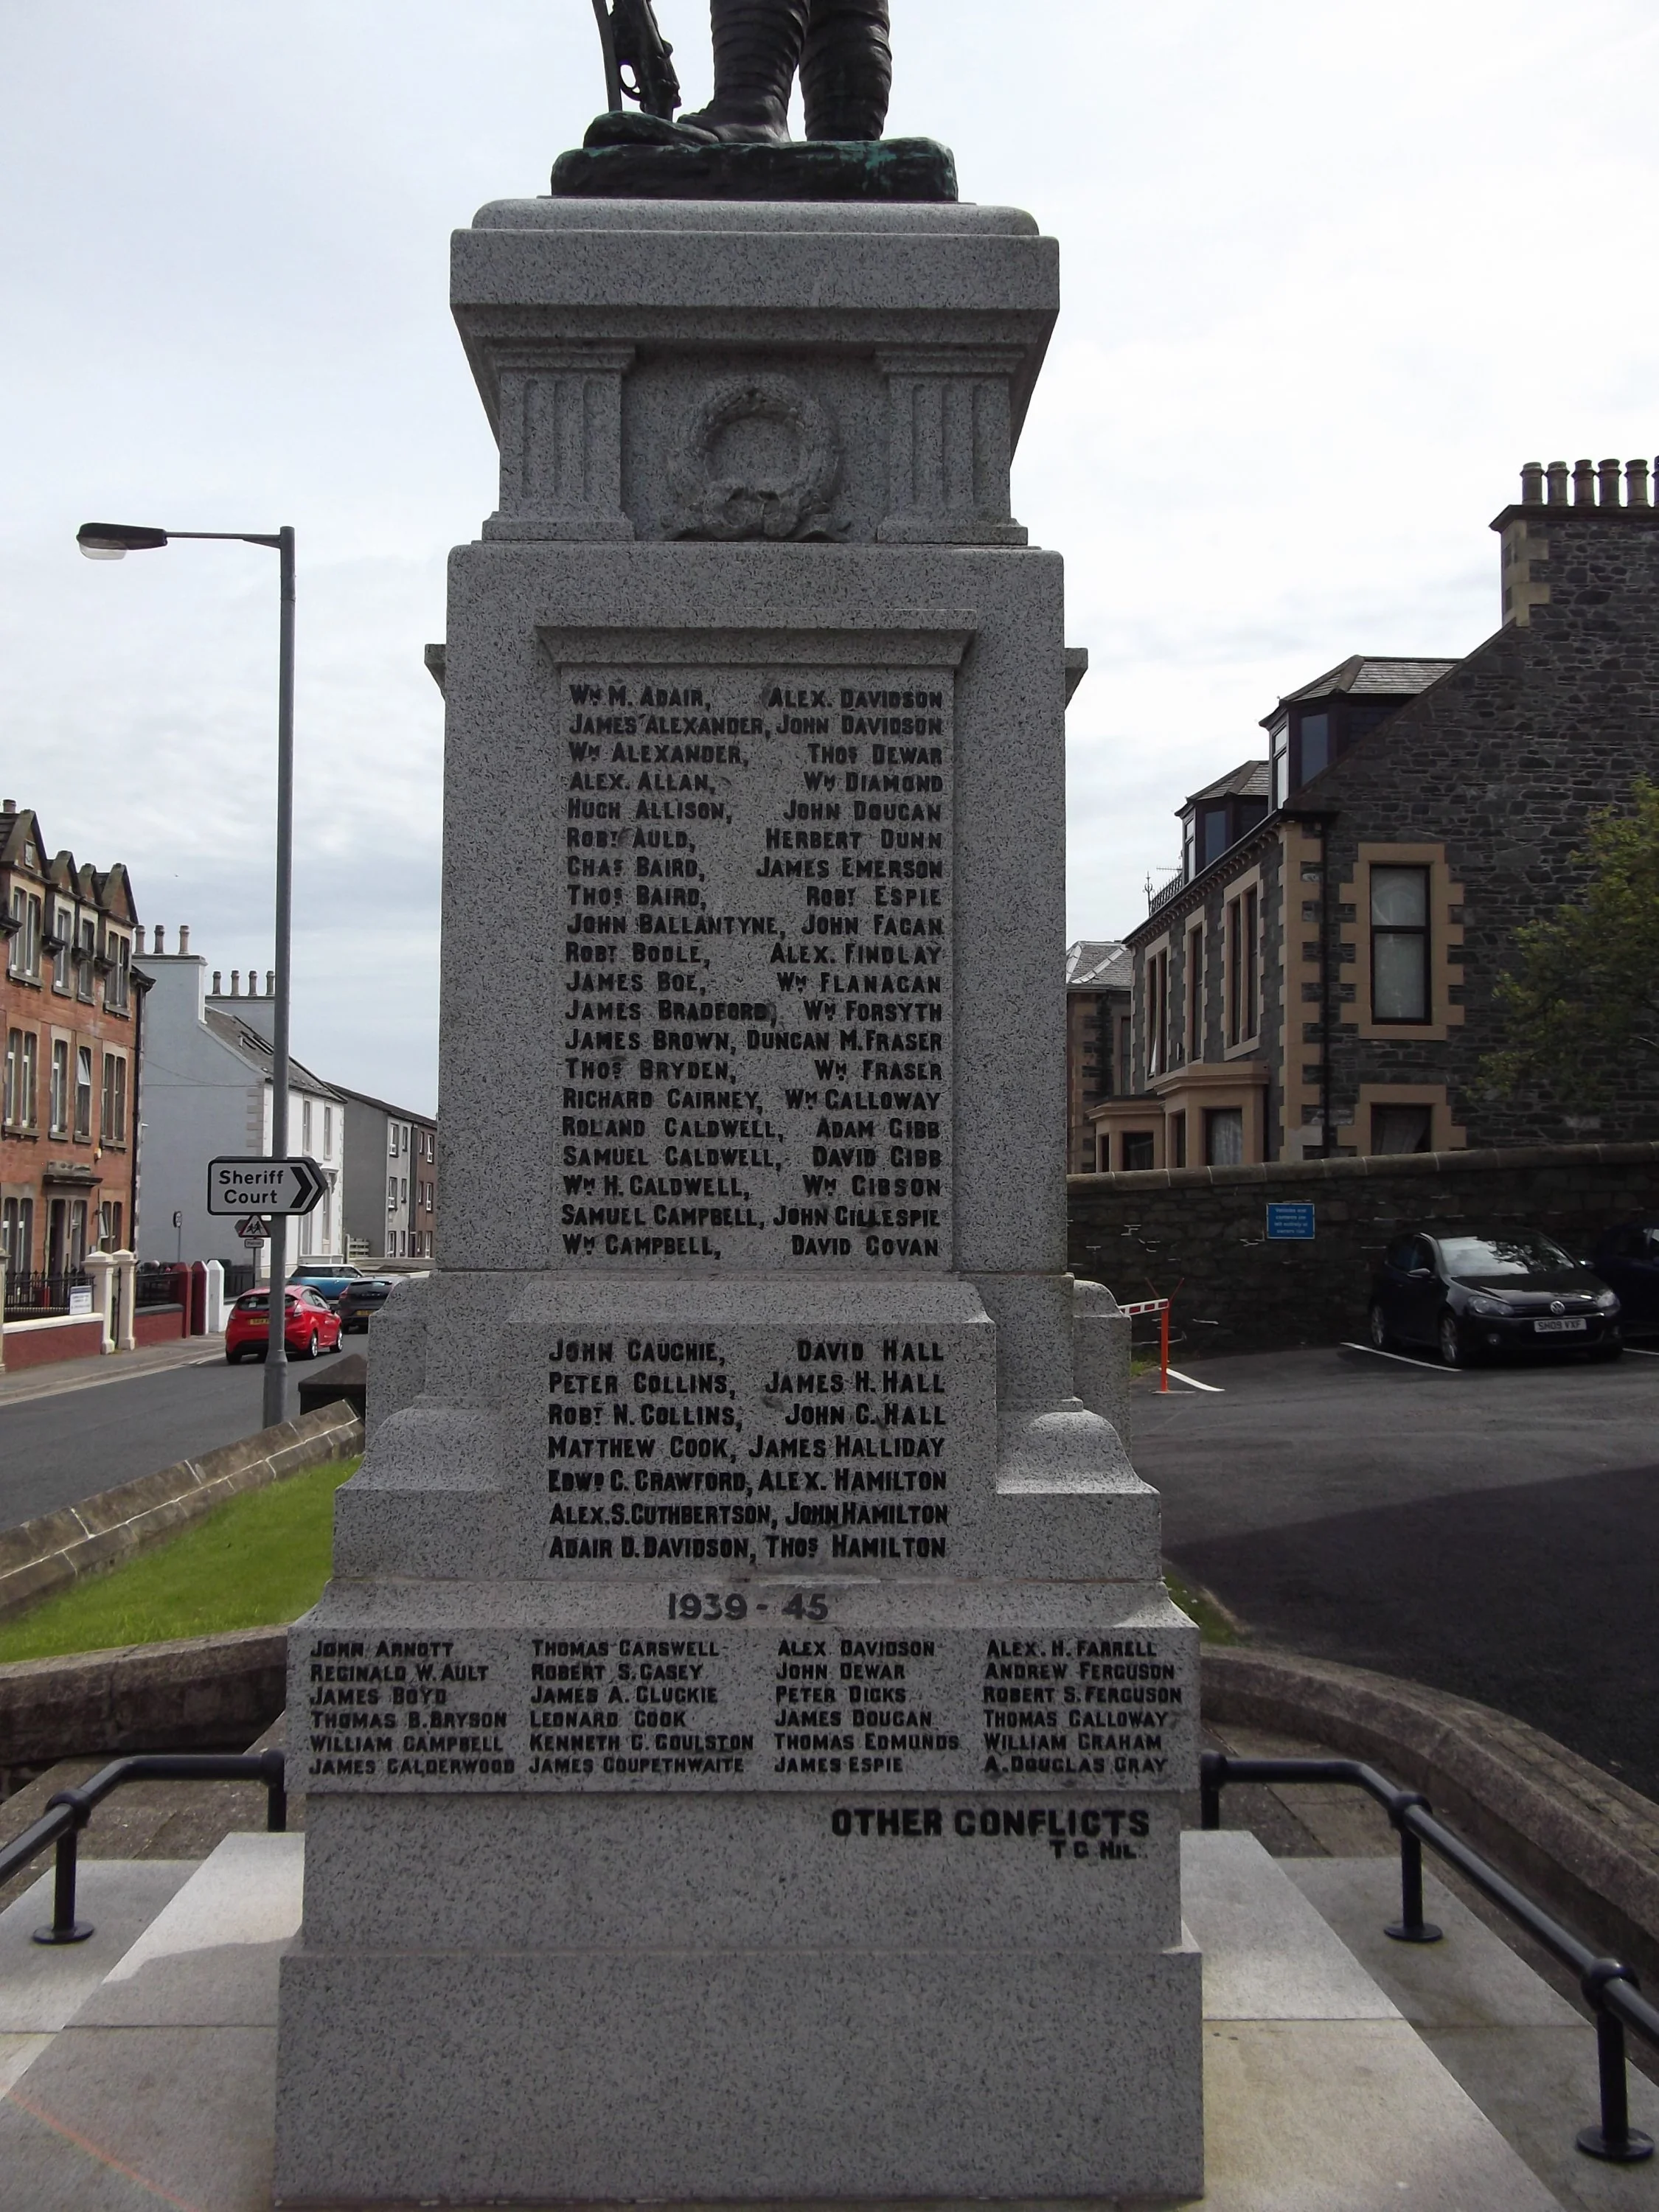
(113, 541)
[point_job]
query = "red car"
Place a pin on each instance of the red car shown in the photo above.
(313, 1325)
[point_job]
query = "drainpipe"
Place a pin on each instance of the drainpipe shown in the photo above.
(1320, 819)
(139, 986)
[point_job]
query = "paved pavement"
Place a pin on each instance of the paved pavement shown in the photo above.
(1491, 1532)
(58, 1448)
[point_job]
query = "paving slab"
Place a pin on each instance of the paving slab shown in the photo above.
(1268, 1953)
(1522, 2052)
(1322, 2099)
(110, 2120)
(210, 1958)
(42, 1986)
(1348, 2116)
(1471, 1978)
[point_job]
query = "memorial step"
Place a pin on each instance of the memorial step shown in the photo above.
(1339, 2071)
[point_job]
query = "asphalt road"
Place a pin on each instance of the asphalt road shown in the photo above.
(1492, 1532)
(57, 1450)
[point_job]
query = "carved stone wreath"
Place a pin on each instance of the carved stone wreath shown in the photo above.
(730, 507)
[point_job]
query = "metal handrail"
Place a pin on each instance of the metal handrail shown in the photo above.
(1610, 1988)
(69, 1811)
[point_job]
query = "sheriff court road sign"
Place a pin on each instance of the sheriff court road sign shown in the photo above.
(254, 1186)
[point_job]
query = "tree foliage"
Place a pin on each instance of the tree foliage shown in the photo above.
(1581, 1007)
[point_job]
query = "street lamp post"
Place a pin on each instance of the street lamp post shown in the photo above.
(112, 541)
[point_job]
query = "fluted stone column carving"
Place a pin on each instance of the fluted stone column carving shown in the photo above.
(950, 445)
(560, 435)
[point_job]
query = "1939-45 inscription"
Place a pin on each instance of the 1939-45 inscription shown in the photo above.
(766, 1687)
(756, 1018)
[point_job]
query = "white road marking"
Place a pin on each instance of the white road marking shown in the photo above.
(1193, 1383)
(1642, 1352)
(1422, 1366)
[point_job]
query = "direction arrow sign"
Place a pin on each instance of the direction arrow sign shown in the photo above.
(265, 1186)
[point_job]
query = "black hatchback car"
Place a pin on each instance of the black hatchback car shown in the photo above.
(1627, 1259)
(1470, 1295)
(359, 1302)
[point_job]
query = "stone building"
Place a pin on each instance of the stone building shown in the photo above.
(208, 1095)
(390, 1185)
(70, 1019)
(1324, 984)
(1098, 975)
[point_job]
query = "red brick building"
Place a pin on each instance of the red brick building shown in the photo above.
(69, 1030)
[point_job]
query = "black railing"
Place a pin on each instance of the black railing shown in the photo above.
(238, 1278)
(1610, 1988)
(39, 1297)
(164, 1284)
(68, 1813)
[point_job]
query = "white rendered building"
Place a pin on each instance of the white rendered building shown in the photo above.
(206, 1095)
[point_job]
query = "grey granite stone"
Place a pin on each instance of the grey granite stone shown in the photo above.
(589, 2073)
(396, 1370)
(745, 1734)
(1100, 1356)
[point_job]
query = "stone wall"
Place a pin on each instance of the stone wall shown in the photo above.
(1199, 1234)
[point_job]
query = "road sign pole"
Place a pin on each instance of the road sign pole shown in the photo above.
(275, 1407)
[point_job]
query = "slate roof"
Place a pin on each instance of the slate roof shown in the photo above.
(1099, 965)
(253, 1047)
(1392, 677)
(1250, 780)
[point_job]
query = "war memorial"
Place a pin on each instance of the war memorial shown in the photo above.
(744, 1735)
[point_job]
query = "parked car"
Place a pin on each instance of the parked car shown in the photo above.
(1628, 1260)
(330, 1277)
(361, 1301)
(313, 1325)
(1469, 1294)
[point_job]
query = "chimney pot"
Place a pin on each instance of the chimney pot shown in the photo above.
(1609, 473)
(184, 937)
(218, 983)
(235, 982)
(139, 936)
(1557, 475)
(161, 937)
(1532, 483)
(1636, 480)
(270, 982)
(1583, 484)
(8, 806)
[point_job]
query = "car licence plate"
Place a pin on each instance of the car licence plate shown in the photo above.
(1560, 1327)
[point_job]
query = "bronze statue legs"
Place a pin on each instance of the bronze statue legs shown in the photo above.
(840, 48)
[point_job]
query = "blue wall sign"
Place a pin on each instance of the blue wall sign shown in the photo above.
(1294, 1223)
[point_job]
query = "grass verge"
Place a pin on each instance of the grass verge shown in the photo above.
(257, 1560)
(1215, 1624)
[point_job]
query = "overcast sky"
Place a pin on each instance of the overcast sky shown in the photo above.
(1332, 272)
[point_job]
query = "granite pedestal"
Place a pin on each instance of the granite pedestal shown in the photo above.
(744, 1733)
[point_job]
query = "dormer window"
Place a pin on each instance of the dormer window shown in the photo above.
(1314, 746)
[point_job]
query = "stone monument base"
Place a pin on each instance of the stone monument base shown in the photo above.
(736, 1999)
(912, 169)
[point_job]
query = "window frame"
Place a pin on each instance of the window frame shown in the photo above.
(1421, 934)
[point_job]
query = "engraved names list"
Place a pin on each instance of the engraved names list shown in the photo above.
(755, 1017)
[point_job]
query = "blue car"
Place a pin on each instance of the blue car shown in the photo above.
(327, 1278)
(1627, 1259)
